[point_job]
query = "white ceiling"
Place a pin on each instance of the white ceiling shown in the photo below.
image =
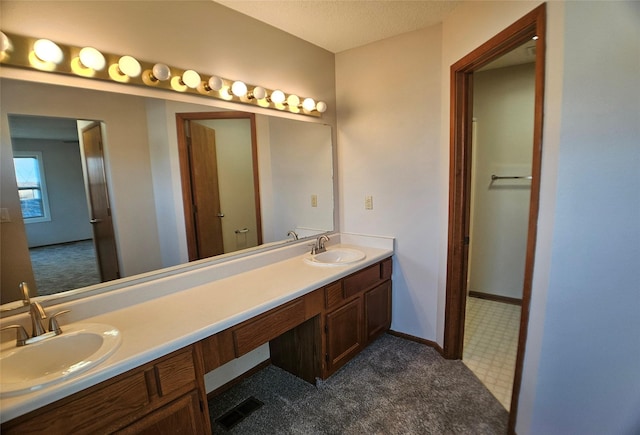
(338, 25)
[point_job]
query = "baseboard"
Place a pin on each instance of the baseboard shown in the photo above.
(496, 298)
(235, 381)
(424, 341)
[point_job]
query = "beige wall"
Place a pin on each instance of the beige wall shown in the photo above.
(301, 166)
(388, 144)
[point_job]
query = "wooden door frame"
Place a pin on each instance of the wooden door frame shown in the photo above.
(534, 23)
(185, 170)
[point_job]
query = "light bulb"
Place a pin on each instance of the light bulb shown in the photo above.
(277, 96)
(161, 71)
(239, 89)
(293, 100)
(5, 43)
(321, 106)
(308, 104)
(191, 78)
(92, 58)
(48, 51)
(259, 92)
(216, 83)
(129, 66)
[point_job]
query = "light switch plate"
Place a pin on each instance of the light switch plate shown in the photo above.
(314, 200)
(368, 202)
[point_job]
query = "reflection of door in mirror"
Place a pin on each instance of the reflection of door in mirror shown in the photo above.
(205, 190)
(99, 208)
(219, 173)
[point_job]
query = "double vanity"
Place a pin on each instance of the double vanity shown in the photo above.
(315, 312)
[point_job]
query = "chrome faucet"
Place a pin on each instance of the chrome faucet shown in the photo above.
(319, 247)
(292, 234)
(36, 312)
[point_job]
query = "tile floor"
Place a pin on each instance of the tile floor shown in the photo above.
(490, 344)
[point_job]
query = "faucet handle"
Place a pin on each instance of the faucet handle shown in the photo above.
(21, 334)
(54, 326)
(24, 288)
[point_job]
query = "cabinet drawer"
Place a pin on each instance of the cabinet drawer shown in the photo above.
(254, 333)
(179, 417)
(175, 373)
(103, 410)
(359, 281)
(333, 295)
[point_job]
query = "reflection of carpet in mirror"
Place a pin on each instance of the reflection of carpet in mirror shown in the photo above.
(64, 267)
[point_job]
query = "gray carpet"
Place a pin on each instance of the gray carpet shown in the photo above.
(66, 266)
(395, 386)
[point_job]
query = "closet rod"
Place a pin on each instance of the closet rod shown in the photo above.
(511, 177)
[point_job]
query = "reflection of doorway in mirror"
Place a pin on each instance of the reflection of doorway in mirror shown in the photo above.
(235, 168)
(219, 174)
(60, 241)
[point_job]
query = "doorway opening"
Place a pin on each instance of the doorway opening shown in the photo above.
(530, 27)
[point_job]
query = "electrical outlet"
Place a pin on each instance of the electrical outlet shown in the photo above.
(368, 202)
(314, 200)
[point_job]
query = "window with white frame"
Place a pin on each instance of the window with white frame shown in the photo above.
(32, 187)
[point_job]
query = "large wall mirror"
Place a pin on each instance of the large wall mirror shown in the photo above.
(48, 131)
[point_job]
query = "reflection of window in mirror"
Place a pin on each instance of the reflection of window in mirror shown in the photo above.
(32, 188)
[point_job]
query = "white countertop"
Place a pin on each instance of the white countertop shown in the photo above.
(156, 327)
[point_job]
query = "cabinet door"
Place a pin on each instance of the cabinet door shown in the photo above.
(344, 334)
(377, 310)
(181, 416)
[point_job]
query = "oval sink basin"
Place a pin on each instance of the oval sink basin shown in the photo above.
(34, 366)
(335, 257)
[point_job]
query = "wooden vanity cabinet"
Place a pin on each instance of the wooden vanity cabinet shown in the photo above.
(358, 310)
(311, 336)
(161, 397)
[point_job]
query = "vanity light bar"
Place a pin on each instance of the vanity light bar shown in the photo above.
(88, 62)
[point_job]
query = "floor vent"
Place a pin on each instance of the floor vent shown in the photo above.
(239, 413)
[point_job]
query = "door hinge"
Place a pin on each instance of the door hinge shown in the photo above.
(466, 240)
(326, 358)
(326, 328)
